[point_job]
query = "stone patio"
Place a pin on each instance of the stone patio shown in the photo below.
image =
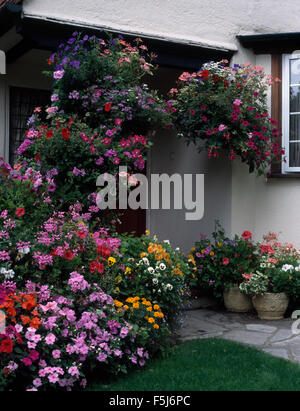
(273, 337)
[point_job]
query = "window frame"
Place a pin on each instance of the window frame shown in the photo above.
(286, 58)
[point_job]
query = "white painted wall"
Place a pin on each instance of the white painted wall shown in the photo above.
(213, 21)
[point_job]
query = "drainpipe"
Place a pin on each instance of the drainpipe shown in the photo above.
(2, 62)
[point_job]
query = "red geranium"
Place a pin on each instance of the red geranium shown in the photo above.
(81, 234)
(65, 132)
(20, 212)
(225, 261)
(6, 346)
(49, 134)
(107, 106)
(103, 251)
(96, 266)
(68, 255)
(204, 74)
(247, 235)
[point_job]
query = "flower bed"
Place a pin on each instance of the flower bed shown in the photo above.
(74, 295)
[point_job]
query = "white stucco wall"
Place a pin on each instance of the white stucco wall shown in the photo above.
(216, 21)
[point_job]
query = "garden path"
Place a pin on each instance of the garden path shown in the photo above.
(274, 337)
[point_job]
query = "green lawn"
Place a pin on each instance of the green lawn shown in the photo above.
(213, 364)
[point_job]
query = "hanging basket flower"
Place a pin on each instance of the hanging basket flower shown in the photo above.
(225, 108)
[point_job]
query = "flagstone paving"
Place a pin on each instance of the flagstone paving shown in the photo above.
(273, 337)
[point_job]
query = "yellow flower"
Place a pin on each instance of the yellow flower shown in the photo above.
(111, 261)
(127, 270)
(193, 249)
(147, 232)
(118, 303)
(202, 251)
(117, 290)
(136, 305)
(157, 314)
(129, 300)
(149, 308)
(126, 307)
(156, 326)
(151, 320)
(156, 307)
(219, 244)
(118, 279)
(191, 256)
(211, 253)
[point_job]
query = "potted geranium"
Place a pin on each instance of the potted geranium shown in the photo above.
(223, 108)
(276, 281)
(219, 265)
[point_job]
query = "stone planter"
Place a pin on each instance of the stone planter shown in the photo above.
(271, 306)
(236, 302)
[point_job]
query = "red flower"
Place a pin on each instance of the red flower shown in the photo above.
(37, 157)
(6, 346)
(20, 212)
(103, 251)
(247, 235)
(81, 234)
(205, 74)
(225, 261)
(65, 133)
(68, 255)
(96, 266)
(107, 106)
(49, 134)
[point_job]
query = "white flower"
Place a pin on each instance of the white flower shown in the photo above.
(155, 281)
(167, 241)
(151, 270)
(24, 250)
(162, 266)
(8, 274)
(287, 267)
(169, 287)
(146, 261)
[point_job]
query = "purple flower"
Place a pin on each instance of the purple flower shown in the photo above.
(75, 64)
(100, 161)
(54, 97)
(50, 339)
(58, 74)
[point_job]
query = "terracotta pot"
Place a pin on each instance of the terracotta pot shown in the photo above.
(235, 301)
(271, 306)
